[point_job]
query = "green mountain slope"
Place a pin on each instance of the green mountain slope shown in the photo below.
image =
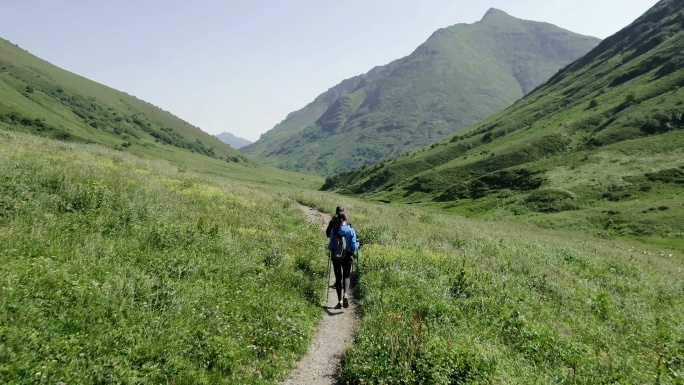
(459, 76)
(599, 146)
(37, 97)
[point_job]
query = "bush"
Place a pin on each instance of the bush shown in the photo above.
(550, 201)
(671, 175)
(454, 192)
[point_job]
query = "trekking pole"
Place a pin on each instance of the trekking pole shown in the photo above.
(327, 282)
(351, 268)
(358, 261)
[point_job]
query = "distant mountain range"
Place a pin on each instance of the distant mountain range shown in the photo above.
(460, 75)
(40, 98)
(600, 146)
(232, 140)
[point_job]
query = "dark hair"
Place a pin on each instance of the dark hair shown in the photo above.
(343, 217)
(339, 209)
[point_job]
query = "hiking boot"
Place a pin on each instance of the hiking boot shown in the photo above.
(338, 306)
(345, 303)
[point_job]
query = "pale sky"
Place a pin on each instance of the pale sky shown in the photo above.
(242, 66)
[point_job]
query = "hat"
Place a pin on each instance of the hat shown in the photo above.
(339, 209)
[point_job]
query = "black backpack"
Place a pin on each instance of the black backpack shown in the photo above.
(339, 249)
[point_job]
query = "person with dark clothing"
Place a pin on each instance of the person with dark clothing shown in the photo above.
(335, 219)
(342, 267)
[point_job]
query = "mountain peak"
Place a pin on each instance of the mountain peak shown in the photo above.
(384, 105)
(493, 12)
(232, 140)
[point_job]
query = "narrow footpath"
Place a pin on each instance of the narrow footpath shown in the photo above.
(334, 334)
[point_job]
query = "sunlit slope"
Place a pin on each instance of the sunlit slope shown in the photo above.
(460, 75)
(37, 97)
(599, 146)
(297, 121)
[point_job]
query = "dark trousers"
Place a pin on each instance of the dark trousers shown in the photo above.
(342, 269)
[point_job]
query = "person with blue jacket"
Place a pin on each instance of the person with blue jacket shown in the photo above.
(342, 267)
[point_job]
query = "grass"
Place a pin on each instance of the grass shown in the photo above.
(119, 269)
(450, 300)
(511, 309)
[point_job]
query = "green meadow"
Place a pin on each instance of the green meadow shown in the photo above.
(448, 300)
(118, 269)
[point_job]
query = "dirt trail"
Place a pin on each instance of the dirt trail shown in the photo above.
(334, 334)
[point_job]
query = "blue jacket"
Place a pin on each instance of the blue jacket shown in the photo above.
(350, 237)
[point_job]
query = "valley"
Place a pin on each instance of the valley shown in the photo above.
(535, 240)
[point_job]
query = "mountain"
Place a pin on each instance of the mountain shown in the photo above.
(460, 75)
(232, 140)
(40, 98)
(599, 146)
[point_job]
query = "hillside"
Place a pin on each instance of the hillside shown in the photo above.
(40, 98)
(232, 140)
(460, 75)
(600, 146)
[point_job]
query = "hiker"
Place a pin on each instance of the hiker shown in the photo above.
(342, 234)
(334, 220)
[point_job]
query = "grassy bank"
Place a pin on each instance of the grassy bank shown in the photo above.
(117, 269)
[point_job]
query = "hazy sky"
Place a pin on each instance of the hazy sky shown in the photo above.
(242, 66)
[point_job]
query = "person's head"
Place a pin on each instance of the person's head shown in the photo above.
(339, 209)
(343, 217)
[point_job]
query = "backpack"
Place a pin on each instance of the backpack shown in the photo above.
(339, 249)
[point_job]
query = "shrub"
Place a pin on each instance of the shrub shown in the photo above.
(671, 175)
(550, 201)
(593, 103)
(454, 192)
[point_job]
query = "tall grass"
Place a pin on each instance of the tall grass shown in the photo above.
(120, 270)
(447, 300)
